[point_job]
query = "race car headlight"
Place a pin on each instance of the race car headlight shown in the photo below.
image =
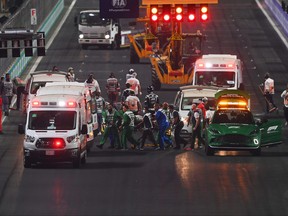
(30, 139)
(256, 141)
(107, 35)
(70, 138)
(214, 131)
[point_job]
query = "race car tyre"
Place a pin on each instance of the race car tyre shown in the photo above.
(208, 150)
(134, 58)
(155, 80)
(27, 162)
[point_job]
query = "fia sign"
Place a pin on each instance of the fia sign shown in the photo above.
(119, 9)
(33, 14)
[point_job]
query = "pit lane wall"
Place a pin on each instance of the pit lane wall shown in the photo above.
(277, 11)
(47, 14)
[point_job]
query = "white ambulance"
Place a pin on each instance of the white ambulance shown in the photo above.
(39, 79)
(56, 129)
(220, 70)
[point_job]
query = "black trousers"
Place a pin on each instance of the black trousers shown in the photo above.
(148, 133)
(197, 134)
(178, 138)
(269, 102)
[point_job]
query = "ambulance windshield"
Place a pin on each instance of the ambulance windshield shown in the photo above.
(52, 120)
(219, 78)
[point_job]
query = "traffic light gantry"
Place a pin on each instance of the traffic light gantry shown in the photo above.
(16, 40)
(178, 12)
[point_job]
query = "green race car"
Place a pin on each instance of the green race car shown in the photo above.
(236, 129)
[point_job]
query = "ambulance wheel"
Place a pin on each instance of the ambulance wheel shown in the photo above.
(155, 80)
(134, 58)
(27, 162)
(76, 162)
(208, 150)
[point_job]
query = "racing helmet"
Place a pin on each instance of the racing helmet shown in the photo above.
(131, 71)
(150, 89)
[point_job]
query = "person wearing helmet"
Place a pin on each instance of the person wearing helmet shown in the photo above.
(90, 82)
(150, 99)
(112, 88)
(135, 84)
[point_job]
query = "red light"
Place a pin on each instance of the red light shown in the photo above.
(191, 17)
(58, 143)
(179, 17)
(154, 17)
(71, 104)
(204, 17)
(166, 17)
(36, 103)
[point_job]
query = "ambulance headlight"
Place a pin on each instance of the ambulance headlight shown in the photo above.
(30, 139)
(70, 138)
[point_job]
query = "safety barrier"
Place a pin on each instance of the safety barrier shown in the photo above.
(278, 12)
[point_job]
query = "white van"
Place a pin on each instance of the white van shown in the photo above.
(186, 96)
(220, 70)
(56, 129)
(39, 79)
(94, 30)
